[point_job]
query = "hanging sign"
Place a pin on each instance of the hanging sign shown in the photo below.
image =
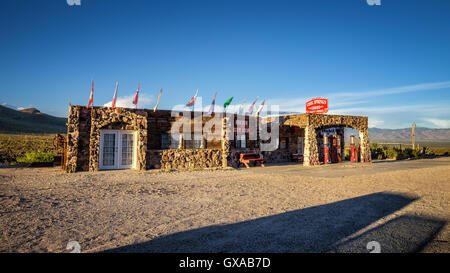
(317, 105)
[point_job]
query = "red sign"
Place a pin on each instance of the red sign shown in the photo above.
(317, 105)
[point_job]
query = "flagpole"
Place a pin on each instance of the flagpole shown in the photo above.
(157, 102)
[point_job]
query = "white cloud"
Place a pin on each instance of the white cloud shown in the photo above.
(375, 123)
(396, 90)
(355, 98)
(423, 108)
(144, 101)
(441, 123)
(20, 108)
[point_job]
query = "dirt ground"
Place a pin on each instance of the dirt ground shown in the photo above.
(403, 206)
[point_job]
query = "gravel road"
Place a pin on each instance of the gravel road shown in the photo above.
(402, 205)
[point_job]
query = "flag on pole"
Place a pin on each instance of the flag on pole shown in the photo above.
(260, 108)
(250, 110)
(227, 103)
(211, 108)
(241, 108)
(91, 98)
(136, 97)
(192, 101)
(157, 102)
(113, 103)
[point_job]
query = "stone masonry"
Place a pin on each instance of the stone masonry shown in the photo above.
(84, 126)
(316, 122)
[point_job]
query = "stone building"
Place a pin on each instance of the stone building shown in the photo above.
(101, 138)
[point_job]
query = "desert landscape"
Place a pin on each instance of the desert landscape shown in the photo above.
(208, 127)
(403, 205)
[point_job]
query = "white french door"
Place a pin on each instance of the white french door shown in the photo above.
(117, 149)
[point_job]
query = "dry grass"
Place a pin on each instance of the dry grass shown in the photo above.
(14, 146)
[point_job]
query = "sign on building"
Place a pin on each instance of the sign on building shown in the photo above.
(317, 105)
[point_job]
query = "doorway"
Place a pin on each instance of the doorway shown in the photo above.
(117, 149)
(300, 145)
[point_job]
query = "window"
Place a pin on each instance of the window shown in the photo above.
(197, 143)
(165, 141)
(240, 142)
(283, 143)
(194, 143)
(175, 141)
(188, 144)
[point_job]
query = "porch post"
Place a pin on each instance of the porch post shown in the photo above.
(311, 151)
(364, 145)
(225, 143)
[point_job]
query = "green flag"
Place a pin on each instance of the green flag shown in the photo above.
(227, 103)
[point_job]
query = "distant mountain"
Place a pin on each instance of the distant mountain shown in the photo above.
(30, 120)
(30, 111)
(404, 135)
(420, 134)
(7, 105)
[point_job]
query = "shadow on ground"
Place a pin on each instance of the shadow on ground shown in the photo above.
(315, 229)
(406, 234)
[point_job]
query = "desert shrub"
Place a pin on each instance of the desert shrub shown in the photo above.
(391, 153)
(15, 146)
(377, 151)
(416, 153)
(36, 157)
(427, 151)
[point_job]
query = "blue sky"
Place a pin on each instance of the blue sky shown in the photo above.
(388, 62)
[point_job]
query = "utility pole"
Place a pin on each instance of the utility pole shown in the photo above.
(413, 136)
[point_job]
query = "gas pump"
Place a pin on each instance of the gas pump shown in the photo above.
(338, 144)
(352, 149)
(325, 149)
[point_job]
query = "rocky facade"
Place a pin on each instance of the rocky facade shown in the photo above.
(85, 124)
(316, 122)
(188, 159)
(118, 119)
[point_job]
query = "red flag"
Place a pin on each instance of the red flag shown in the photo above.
(136, 97)
(113, 103)
(192, 101)
(91, 98)
(159, 96)
(260, 108)
(250, 110)
(211, 109)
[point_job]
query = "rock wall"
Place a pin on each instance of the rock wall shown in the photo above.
(84, 125)
(118, 119)
(186, 159)
(73, 125)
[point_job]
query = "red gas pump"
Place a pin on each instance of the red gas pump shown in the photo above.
(325, 149)
(352, 149)
(338, 146)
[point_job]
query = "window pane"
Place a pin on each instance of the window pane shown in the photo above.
(175, 141)
(165, 141)
(109, 143)
(127, 149)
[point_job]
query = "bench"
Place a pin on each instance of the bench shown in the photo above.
(246, 159)
(296, 158)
